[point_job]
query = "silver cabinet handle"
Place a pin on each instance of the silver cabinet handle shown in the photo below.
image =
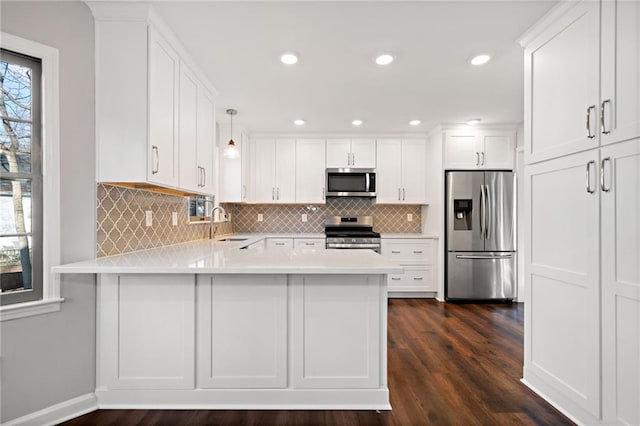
(483, 158)
(279, 244)
(156, 152)
(353, 158)
(589, 189)
(309, 244)
(603, 128)
(200, 177)
(417, 278)
(403, 194)
(323, 193)
(273, 193)
(244, 192)
(591, 108)
(399, 194)
(417, 251)
(395, 279)
(395, 252)
(278, 193)
(602, 185)
(477, 158)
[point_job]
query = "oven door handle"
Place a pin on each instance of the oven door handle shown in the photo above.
(352, 246)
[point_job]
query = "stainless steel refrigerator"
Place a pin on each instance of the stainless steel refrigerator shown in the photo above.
(480, 235)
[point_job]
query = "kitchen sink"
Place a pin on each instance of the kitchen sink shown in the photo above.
(234, 239)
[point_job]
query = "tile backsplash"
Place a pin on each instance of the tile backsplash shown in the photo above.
(121, 224)
(287, 218)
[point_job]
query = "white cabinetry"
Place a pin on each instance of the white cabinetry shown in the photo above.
(274, 168)
(310, 171)
(479, 149)
(581, 205)
(351, 153)
(235, 171)
(309, 244)
(242, 331)
(563, 80)
(138, 100)
(401, 171)
(418, 257)
(197, 135)
(279, 243)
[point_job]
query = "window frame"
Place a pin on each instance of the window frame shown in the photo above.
(50, 152)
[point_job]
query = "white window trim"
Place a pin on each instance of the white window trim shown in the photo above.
(51, 300)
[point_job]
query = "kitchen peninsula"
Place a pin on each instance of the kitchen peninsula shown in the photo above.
(209, 325)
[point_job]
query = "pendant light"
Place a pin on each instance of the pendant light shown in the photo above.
(231, 150)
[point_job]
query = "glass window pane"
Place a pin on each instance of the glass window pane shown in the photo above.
(15, 142)
(15, 206)
(16, 91)
(15, 264)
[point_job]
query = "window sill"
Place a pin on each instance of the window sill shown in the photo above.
(29, 309)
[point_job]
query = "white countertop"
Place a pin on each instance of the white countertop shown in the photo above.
(216, 257)
(408, 236)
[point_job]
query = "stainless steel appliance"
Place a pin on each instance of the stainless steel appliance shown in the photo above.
(351, 233)
(351, 183)
(480, 235)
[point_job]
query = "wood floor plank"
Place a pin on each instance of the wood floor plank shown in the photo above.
(448, 364)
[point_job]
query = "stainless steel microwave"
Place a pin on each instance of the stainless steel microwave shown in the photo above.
(351, 183)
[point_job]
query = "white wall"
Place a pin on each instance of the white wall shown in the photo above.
(50, 358)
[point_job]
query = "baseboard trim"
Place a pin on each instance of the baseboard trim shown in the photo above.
(552, 403)
(58, 413)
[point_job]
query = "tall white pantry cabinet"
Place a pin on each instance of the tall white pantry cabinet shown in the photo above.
(582, 207)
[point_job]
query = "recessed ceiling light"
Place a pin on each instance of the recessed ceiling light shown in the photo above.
(414, 122)
(289, 58)
(480, 59)
(298, 122)
(357, 122)
(473, 121)
(384, 59)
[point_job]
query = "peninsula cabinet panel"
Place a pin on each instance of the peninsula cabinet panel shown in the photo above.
(621, 283)
(310, 171)
(242, 331)
(146, 331)
(336, 331)
(562, 325)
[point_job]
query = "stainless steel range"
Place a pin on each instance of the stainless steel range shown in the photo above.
(351, 233)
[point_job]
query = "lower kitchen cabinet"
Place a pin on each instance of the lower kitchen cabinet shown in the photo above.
(242, 331)
(145, 331)
(279, 243)
(418, 257)
(309, 244)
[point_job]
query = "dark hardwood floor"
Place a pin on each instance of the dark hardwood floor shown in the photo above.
(449, 364)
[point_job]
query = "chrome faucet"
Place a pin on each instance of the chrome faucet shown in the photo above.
(213, 210)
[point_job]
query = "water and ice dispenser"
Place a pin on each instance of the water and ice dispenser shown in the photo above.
(462, 215)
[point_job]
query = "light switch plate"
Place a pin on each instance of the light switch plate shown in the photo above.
(260, 217)
(148, 215)
(304, 217)
(174, 218)
(409, 217)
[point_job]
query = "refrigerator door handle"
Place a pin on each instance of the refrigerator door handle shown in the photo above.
(486, 211)
(482, 212)
(490, 257)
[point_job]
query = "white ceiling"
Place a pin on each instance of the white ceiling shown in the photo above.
(238, 45)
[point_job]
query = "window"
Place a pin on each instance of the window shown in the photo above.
(20, 179)
(29, 178)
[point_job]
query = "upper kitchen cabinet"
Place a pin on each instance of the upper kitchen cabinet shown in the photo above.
(310, 171)
(591, 47)
(471, 149)
(235, 169)
(139, 68)
(274, 170)
(351, 153)
(401, 171)
(196, 134)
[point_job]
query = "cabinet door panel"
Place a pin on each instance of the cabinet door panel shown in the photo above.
(206, 140)
(498, 151)
(190, 177)
(264, 168)
(242, 331)
(285, 170)
(562, 277)
(621, 283)
(563, 83)
(363, 153)
(310, 170)
(621, 70)
(338, 153)
(388, 182)
(460, 151)
(163, 111)
(413, 166)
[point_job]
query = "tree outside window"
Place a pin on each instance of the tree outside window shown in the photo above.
(20, 179)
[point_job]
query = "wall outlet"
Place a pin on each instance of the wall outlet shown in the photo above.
(174, 218)
(409, 217)
(304, 217)
(260, 217)
(148, 215)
